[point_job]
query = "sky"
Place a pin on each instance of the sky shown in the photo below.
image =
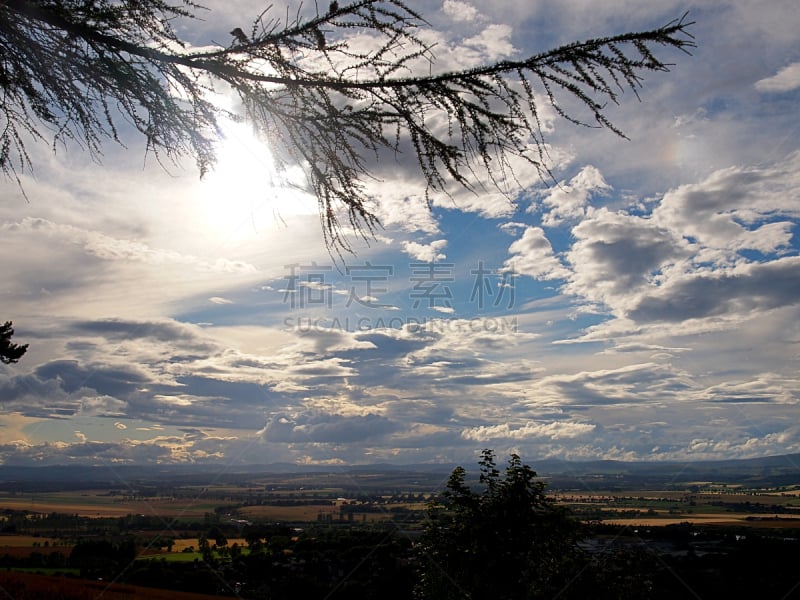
(646, 306)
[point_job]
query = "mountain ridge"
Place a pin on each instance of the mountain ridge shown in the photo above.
(785, 465)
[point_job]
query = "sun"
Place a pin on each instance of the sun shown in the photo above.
(245, 196)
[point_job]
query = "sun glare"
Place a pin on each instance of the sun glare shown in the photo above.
(245, 195)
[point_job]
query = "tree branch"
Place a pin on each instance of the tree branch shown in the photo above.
(74, 65)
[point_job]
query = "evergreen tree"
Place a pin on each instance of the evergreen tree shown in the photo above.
(9, 351)
(506, 542)
(76, 69)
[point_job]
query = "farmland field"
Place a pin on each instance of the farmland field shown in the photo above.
(314, 512)
(26, 585)
(726, 519)
(91, 503)
(402, 498)
(28, 541)
(766, 509)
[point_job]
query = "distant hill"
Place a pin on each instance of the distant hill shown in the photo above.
(770, 470)
(786, 463)
(766, 471)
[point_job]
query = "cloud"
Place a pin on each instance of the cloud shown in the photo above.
(444, 309)
(728, 210)
(568, 201)
(616, 254)
(494, 41)
(79, 271)
(162, 330)
(554, 431)
(319, 427)
(741, 290)
(692, 257)
(460, 11)
(657, 319)
(400, 209)
(160, 372)
(104, 379)
(532, 255)
(635, 384)
(426, 252)
(785, 80)
(109, 248)
(194, 446)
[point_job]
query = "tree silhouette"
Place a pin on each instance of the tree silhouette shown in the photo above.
(508, 541)
(9, 351)
(74, 70)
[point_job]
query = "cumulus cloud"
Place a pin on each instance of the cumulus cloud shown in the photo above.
(194, 446)
(629, 275)
(614, 254)
(728, 210)
(568, 201)
(688, 259)
(785, 80)
(319, 427)
(84, 452)
(460, 11)
(741, 290)
(405, 211)
(533, 255)
(426, 252)
(494, 40)
(530, 430)
(159, 372)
